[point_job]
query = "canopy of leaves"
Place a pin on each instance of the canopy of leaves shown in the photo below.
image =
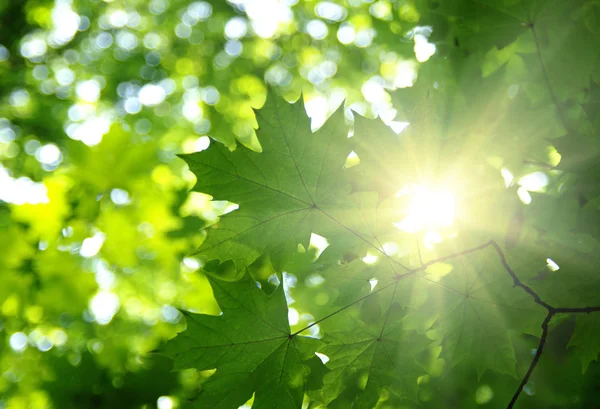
(419, 229)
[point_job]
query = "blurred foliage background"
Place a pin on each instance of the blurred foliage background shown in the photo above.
(96, 100)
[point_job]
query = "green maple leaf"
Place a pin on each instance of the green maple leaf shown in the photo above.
(251, 347)
(283, 192)
(553, 234)
(585, 339)
(465, 311)
(379, 354)
(473, 309)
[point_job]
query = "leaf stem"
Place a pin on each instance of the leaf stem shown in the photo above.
(343, 308)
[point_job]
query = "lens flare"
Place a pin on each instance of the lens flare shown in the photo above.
(429, 209)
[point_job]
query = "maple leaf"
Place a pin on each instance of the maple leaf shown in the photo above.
(377, 322)
(585, 339)
(473, 308)
(377, 354)
(251, 347)
(283, 192)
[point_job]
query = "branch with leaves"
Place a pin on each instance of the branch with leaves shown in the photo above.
(298, 186)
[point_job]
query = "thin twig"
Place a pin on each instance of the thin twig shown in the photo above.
(451, 256)
(387, 314)
(519, 283)
(343, 308)
(576, 310)
(536, 358)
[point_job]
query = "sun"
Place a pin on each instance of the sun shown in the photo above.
(429, 209)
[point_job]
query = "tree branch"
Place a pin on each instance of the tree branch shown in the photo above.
(517, 281)
(586, 310)
(536, 358)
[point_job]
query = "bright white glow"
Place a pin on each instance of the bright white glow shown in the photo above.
(151, 94)
(81, 111)
(104, 306)
(191, 263)
(200, 10)
(327, 68)
(397, 126)
(120, 197)
(369, 259)
(169, 314)
(293, 316)
(105, 278)
(151, 41)
(192, 111)
(317, 29)
(524, 195)
(7, 134)
(202, 143)
(233, 48)
(352, 160)
(346, 34)
(314, 280)
(18, 342)
(182, 30)
(289, 281)
(382, 10)
(65, 76)
(330, 11)
(266, 15)
(19, 98)
(44, 344)
(92, 245)
(165, 402)
(33, 47)
(390, 248)
(118, 18)
(127, 40)
(373, 90)
(48, 154)
(406, 74)
(236, 28)
(423, 48)
(428, 209)
(507, 176)
(317, 108)
(58, 337)
(210, 95)
(88, 91)
(132, 105)
(65, 23)
(373, 283)
(90, 132)
(318, 242)
(364, 38)
(104, 40)
(22, 190)
(552, 266)
(431, 238)
(534, 182)
(324, 358)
